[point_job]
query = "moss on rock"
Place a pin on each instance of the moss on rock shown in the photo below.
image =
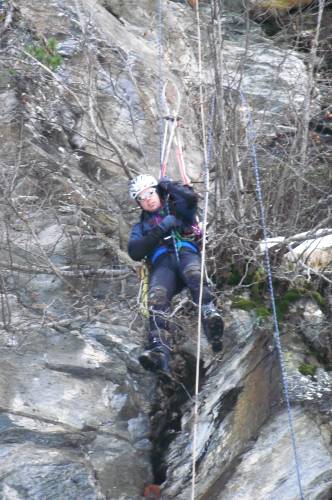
(307, 369)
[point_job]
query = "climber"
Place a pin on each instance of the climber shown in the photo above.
(168, 221)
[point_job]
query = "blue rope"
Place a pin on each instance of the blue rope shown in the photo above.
(251, 136)
(160, 73)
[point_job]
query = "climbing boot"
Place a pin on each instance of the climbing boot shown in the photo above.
(213, 326)
(156, 358)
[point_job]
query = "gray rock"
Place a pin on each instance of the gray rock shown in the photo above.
(272, 456)
(33, 476)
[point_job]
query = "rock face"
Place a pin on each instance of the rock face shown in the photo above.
(244, 441)
(80, 419)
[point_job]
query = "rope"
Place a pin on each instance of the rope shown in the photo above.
(170, 91)
(160, 72)
(207, 151)
(251, 138)
(180, 159)
(168, 147)
(203, 269)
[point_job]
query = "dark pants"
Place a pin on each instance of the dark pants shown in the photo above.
(167, 278)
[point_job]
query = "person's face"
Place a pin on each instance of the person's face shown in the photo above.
(149, 199)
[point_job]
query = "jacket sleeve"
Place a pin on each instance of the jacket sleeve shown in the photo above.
(139, 245)
(180, 193)
(183, 199)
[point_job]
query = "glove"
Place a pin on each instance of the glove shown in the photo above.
(170, 222)
(164, 183)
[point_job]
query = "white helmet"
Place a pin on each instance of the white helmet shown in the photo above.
(139, 183)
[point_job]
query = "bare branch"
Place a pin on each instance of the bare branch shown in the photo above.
(8, 18)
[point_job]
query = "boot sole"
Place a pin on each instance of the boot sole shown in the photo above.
(217, 346)
(150, 362)
(216, 330)
(216, 327)
(166, 377)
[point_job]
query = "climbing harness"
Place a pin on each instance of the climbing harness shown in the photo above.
(173, 235)
(170, 106)
(179, 244)
(171, 102)
(251, 140)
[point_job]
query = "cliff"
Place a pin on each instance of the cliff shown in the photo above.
(79, 92)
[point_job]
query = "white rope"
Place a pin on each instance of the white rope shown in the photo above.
(203, 253)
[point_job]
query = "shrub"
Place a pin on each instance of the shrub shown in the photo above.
(47, 53)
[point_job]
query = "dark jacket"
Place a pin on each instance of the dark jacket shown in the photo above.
(148, 239)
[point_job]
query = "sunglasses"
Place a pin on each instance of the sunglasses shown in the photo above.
(146, 195)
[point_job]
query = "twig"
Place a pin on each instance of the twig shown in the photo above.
(90, 113)
(8, 18)
(67, 271)
(311, 235)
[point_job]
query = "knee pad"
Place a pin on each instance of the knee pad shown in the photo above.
(157, 296)
(192, 272)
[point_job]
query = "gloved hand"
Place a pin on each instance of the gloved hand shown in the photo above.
(169, 222)
(164, 183)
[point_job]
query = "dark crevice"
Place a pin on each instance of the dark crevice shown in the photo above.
(167, 410)
(273, 23)
(114, 14)
(322, 126)
(227, 403)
